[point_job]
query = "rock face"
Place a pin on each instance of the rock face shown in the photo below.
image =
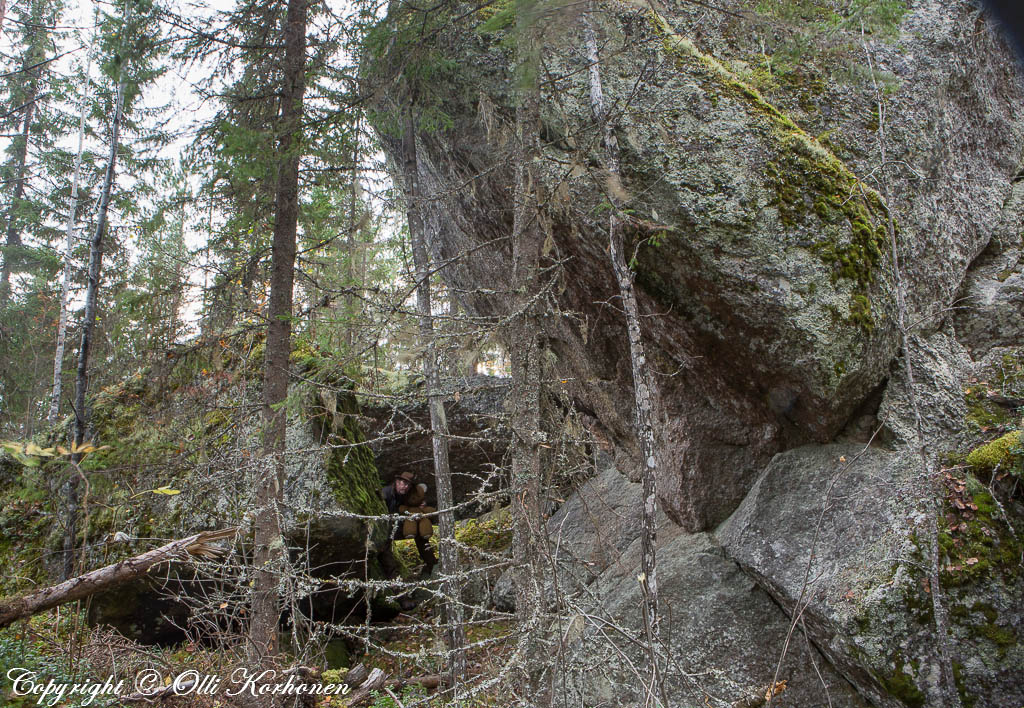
(590, 532)
(763, 258)
(840, 532)
(768, 205)
(722, 635)
(992, 295)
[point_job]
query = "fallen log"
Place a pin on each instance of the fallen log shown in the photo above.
(14, 609)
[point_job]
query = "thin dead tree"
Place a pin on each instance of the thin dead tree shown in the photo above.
(638, 360)
(89, 321)
(269, 552)
(524, 346)
(949, 695)
(454, 630)
(65, 287)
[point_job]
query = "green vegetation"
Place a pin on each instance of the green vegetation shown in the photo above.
(1006, 379)
(493, 534)
(1005, 453)
(901, 685)
(978, 542)
(35, 650)
(818, 32)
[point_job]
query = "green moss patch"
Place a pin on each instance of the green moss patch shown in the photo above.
(493, 534)
(901, 685)
(975, 542)
(1004, 453)
(989, 397)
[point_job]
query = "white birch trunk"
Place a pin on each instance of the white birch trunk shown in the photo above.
(641, 371)
(65, 288)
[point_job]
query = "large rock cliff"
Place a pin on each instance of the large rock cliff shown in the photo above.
(761, 251)
(778, 164)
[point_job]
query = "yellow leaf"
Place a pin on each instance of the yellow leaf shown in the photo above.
(166, 491)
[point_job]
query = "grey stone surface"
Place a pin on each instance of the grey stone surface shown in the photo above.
(990, 307)
(941, 368)
(589, 532)
(722, 636)
(839, 531)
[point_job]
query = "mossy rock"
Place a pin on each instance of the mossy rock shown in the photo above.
(1005, 453)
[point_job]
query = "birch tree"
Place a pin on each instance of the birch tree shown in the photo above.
(638, 361)
(65, 288)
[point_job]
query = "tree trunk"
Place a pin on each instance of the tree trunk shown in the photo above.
(14, 609)
(88, 325)
(525, 356)
(65, 288)
(351, 301)
(641, 371)
(454, 630)
(269, 547)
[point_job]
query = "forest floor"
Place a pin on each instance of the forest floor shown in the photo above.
(61, 646)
